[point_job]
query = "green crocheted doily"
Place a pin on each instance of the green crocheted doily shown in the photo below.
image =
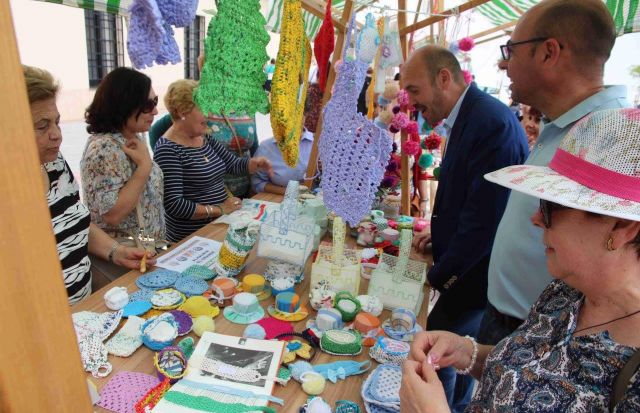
(232, 78)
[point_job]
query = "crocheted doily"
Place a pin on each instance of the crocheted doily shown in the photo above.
(124, 389)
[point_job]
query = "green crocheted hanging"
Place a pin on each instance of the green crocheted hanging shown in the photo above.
(232, 78)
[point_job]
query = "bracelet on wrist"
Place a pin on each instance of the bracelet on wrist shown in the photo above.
(474, 356)
(221, 210)
(112, 251)
(207, 209)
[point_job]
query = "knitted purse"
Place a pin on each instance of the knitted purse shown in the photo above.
(238, 243)
(353, 150)
(285, 236)
(232, 76)
(323, 46)
(399, 281)
(337, 265)
(289, 85)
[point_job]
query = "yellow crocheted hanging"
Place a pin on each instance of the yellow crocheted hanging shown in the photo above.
(290, 81)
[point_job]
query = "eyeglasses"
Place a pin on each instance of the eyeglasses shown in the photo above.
(546, 207)
(149, 105)
(506, 51)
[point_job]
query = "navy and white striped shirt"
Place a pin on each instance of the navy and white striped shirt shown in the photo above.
(193, 176)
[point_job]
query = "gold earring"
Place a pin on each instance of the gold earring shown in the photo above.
(610, 244)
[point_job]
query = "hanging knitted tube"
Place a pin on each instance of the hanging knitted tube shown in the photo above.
(353, 150)
(323, 46)
(232, 78)
(290, 81)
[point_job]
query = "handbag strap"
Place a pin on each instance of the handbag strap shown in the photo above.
(623, 378)
(406, 236)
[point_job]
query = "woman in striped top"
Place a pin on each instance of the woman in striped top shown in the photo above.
(194, 165)
(75, 234)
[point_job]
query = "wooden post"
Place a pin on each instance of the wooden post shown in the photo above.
(337, 55)
(442, 15)
(404, 159)
(41, 369)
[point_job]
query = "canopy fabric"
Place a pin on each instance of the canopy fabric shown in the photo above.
(311, 22)
(112, 6)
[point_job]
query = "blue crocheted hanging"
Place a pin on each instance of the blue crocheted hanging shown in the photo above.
(179, 13)
(150, 38)
(353, 150)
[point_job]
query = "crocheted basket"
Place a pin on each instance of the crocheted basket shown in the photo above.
(151, 324)
(337, 265)
(290, 81)
(399, 281)
(287, 237)
(171, 363)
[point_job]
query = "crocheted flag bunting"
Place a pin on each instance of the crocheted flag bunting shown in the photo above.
(290, 81)
(323, 46)
(232, 78)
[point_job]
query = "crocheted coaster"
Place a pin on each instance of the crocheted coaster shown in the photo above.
(382, 387)
(191, 285)
(199, 271)
(155, 280)
(198, 305)
(136, 308)
(341, 342)
(127, 340)
(274, 327)
(387, 350)
(184, 320)
(143, 294)
(167, 299)
(124, 390)
(159, 332)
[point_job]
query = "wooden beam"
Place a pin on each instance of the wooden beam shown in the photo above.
(41, 369)
(514, 7)
(337, 55)
(494, 29)
(314, 8)
(443, 15)
(405, 206)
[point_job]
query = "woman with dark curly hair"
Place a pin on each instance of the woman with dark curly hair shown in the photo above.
(122, 185)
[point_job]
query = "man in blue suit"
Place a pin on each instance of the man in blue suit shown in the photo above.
(483, 136)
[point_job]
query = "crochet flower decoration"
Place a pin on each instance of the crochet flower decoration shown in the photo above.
(432, 142)
(296, 348)
(468, 77)
(411, 148)
(466, 44)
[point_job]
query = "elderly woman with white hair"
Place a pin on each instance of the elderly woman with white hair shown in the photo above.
(584, 328)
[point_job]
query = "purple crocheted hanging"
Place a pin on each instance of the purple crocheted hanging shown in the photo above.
(179, 13)
(145, 34)
(169, 51)
(353, 150)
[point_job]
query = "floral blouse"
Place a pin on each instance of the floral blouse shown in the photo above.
(105, 169)
(541, 367)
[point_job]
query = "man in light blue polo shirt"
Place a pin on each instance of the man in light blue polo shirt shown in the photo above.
(555, 60)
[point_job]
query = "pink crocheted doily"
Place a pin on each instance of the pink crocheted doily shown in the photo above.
(124, 390)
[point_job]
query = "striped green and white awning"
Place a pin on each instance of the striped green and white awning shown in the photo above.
(626, 13)
(111, 6)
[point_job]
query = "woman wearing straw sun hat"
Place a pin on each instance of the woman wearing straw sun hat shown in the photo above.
(584, 328)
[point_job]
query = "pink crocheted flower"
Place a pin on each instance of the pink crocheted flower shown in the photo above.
(411, 148)
(466, 43)
(432, 141)
(389, 181)
(400, 120)
(392, 166)
(403, 98)
(411, 128)
(468, 77)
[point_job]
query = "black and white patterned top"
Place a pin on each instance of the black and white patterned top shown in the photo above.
(70, 219)
(542, 367)
(193, 176)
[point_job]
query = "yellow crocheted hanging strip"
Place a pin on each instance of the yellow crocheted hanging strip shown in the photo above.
(290, 82)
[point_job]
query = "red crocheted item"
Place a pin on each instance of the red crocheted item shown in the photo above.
(323, 46)
(274, 327)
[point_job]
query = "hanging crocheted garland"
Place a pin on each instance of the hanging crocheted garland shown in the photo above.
(323, 46)
(353, 150)
(235, 51)
(290, 81)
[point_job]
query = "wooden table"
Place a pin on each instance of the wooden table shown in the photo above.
(141, 360)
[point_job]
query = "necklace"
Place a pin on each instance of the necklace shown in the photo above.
(608, 322)
(206, 159)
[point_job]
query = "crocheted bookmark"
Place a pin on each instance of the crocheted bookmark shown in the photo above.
(323, 46)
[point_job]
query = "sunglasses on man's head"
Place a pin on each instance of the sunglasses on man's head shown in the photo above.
(149, 105)
(546, 207)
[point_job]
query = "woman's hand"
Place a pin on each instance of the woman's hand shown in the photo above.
(231, 204)
(441, 349)
(421, 390)
(139, 153)
(421, 239)
(260, 163)
(130, 257)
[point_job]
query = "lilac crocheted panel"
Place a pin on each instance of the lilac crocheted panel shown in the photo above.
(145, 34)
(124, 390)
(179, 13)
(353, 150)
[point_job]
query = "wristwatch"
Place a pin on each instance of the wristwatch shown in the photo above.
(114, 247)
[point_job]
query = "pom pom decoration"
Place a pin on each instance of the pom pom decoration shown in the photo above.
(436, 173)
(400, 120)
(385, 117)
(403, 98)
(313, 383)
(390, 91)
(412, 128)
(468, 77)
(454, 47)
(432, 142)
(466, 44)
(425, 161)
(392, 166)
(393, 129)
(396, 110)
(389, 182)
(411, 148)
